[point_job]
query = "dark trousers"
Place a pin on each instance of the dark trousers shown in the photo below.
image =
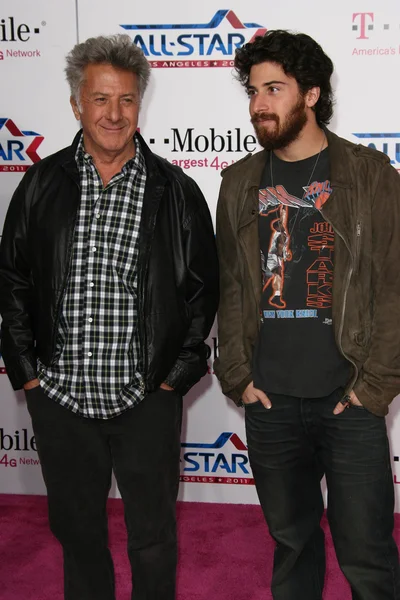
(142, 447)
(291, 446)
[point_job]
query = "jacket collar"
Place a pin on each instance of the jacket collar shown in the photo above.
(69, 164)
(340, 175)
(255, 167)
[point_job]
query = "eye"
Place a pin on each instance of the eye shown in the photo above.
(100, 100)
(250, 93)
(273, 89)
(127, 101)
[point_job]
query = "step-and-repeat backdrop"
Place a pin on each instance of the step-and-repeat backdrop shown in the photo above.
(196, 115)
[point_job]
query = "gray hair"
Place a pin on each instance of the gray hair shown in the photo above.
(117, 50)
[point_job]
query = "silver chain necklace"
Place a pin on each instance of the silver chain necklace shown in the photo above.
(308, 184)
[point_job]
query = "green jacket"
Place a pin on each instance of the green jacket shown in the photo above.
(364, 211)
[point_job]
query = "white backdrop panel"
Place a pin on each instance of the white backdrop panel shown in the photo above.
(196, 115)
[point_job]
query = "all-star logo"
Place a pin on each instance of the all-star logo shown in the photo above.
(222, 461)
(18, 149)
(194, 44)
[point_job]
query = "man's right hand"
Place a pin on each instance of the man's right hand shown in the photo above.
(252, 395)
(29, 385)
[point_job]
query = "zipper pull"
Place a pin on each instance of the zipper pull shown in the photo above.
(358, 229)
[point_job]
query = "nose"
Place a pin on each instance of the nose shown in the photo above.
(259, 103)
(114, 110)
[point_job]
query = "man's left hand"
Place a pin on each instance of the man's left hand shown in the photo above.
(165, 386)
(339, 408)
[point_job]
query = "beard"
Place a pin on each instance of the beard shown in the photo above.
(284, 133)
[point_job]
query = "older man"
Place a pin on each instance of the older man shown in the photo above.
(108, 286)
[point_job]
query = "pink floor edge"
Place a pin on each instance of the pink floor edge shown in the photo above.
(225, 553)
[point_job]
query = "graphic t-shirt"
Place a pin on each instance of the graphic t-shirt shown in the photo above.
(296, 353)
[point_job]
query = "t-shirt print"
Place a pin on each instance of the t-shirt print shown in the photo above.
(276, 204)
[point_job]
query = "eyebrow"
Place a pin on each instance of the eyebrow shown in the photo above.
(267, 84)
(107, 95)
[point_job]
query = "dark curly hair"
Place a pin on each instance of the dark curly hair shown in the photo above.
(299, 56)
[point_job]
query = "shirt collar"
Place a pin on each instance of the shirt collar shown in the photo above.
(136, 163)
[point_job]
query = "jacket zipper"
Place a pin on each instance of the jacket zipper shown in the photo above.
(142, 329)
(358, 240)
(141, 311)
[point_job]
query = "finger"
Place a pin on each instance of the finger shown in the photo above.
(265, 401)
(354, 400)
(339, 408)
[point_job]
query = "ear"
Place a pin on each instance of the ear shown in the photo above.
(75, 108)
(312, 96)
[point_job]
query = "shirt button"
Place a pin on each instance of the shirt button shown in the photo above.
(91, 284)
(89, 354)
(90, 320)
(94, 248)
(97, 215)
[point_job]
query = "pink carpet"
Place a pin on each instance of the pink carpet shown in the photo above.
(225, 553)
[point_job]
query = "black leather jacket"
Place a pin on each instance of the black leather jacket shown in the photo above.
(177, 270)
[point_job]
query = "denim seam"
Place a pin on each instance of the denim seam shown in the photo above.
(320, 584)
(391, 569)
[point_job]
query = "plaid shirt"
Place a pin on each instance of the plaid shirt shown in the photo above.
(96, 369)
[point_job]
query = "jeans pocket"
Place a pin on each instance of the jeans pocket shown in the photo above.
(252, 404)
(30, 391)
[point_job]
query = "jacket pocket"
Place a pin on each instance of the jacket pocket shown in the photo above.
(362, 338)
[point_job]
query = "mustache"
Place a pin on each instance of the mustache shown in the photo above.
(264, 116)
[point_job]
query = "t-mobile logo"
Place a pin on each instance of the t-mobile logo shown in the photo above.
(363, 22)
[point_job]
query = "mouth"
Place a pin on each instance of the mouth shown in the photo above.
(262, 120)
(266, 121)
(112, 129)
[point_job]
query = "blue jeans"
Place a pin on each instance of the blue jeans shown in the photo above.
(291, 446)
